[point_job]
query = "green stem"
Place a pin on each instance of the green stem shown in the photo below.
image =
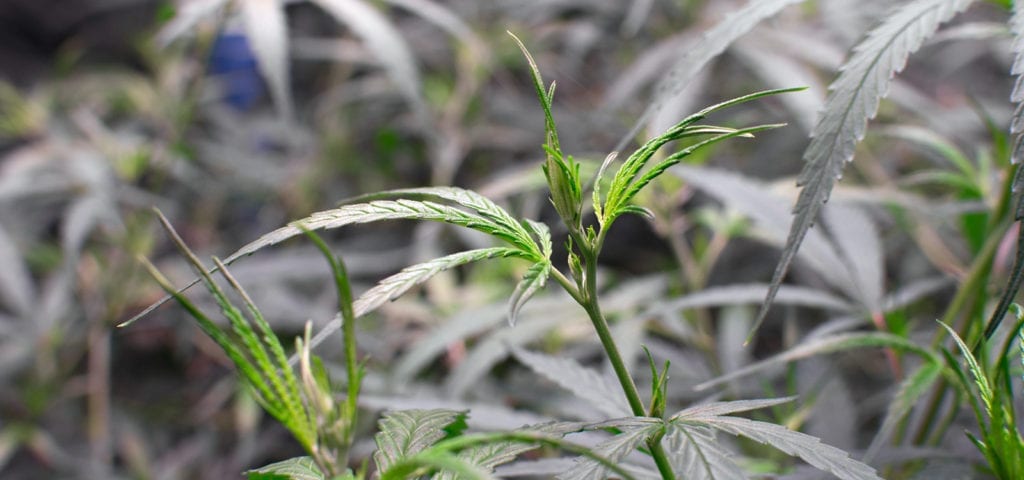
(587, 298)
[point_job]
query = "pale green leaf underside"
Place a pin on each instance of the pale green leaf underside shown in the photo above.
(534, 280)
(373, 212)
(394, 286)
(853, 100)
(468, 199)
(404, 433)
(298, 468)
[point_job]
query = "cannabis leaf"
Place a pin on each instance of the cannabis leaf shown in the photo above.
(823, 345)
(533, 281)
(853, 100)
(486, 457)
(404, 433)
(807, 447)
(628, 179)
(394, 286)
(1016, 129)
(587, 384)
(615, 449)
(696, 57)
(696, 454)
(298, 468)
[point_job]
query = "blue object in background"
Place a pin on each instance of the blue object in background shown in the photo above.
(233, 62)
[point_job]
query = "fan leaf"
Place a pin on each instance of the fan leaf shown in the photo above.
(587, 384)
(404, 433)
(695, 454)
(807, 447)
(853, 100)
(614, 450)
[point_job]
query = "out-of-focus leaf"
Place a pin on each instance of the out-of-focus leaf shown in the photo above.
(298, 468)
(267, 31)
(857, 241)
(823, 345)
(16, 287)
(385, 42)
(186, 18)
(911, 389)
(587, 384)
(853, 100)
(712, 44)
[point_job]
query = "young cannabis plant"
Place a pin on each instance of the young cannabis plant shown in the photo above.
(414, 443)
(989, 391)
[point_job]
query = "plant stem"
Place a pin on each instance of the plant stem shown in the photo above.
(587, 298)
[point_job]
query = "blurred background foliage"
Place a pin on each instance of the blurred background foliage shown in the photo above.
(199, 108)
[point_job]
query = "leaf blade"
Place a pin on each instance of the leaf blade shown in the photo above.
(853, 100)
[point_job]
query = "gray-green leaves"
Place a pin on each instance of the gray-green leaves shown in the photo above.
(404, 433)
(298, 468)
(853, 100)
(528, 240)
(695, 422)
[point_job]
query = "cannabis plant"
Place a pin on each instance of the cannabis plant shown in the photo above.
(414, 443)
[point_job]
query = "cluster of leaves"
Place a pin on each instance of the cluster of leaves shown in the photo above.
(412, 443)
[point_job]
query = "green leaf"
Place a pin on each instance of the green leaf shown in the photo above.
(853, 100)
(614, 449)
(981, 379)
(620, 192)
(696, 57)
(298, 468)
(404, 433)
(598, 390)
(561, 171)
(381, 210)
(532, 282)
(464, 198)
(394, 286)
